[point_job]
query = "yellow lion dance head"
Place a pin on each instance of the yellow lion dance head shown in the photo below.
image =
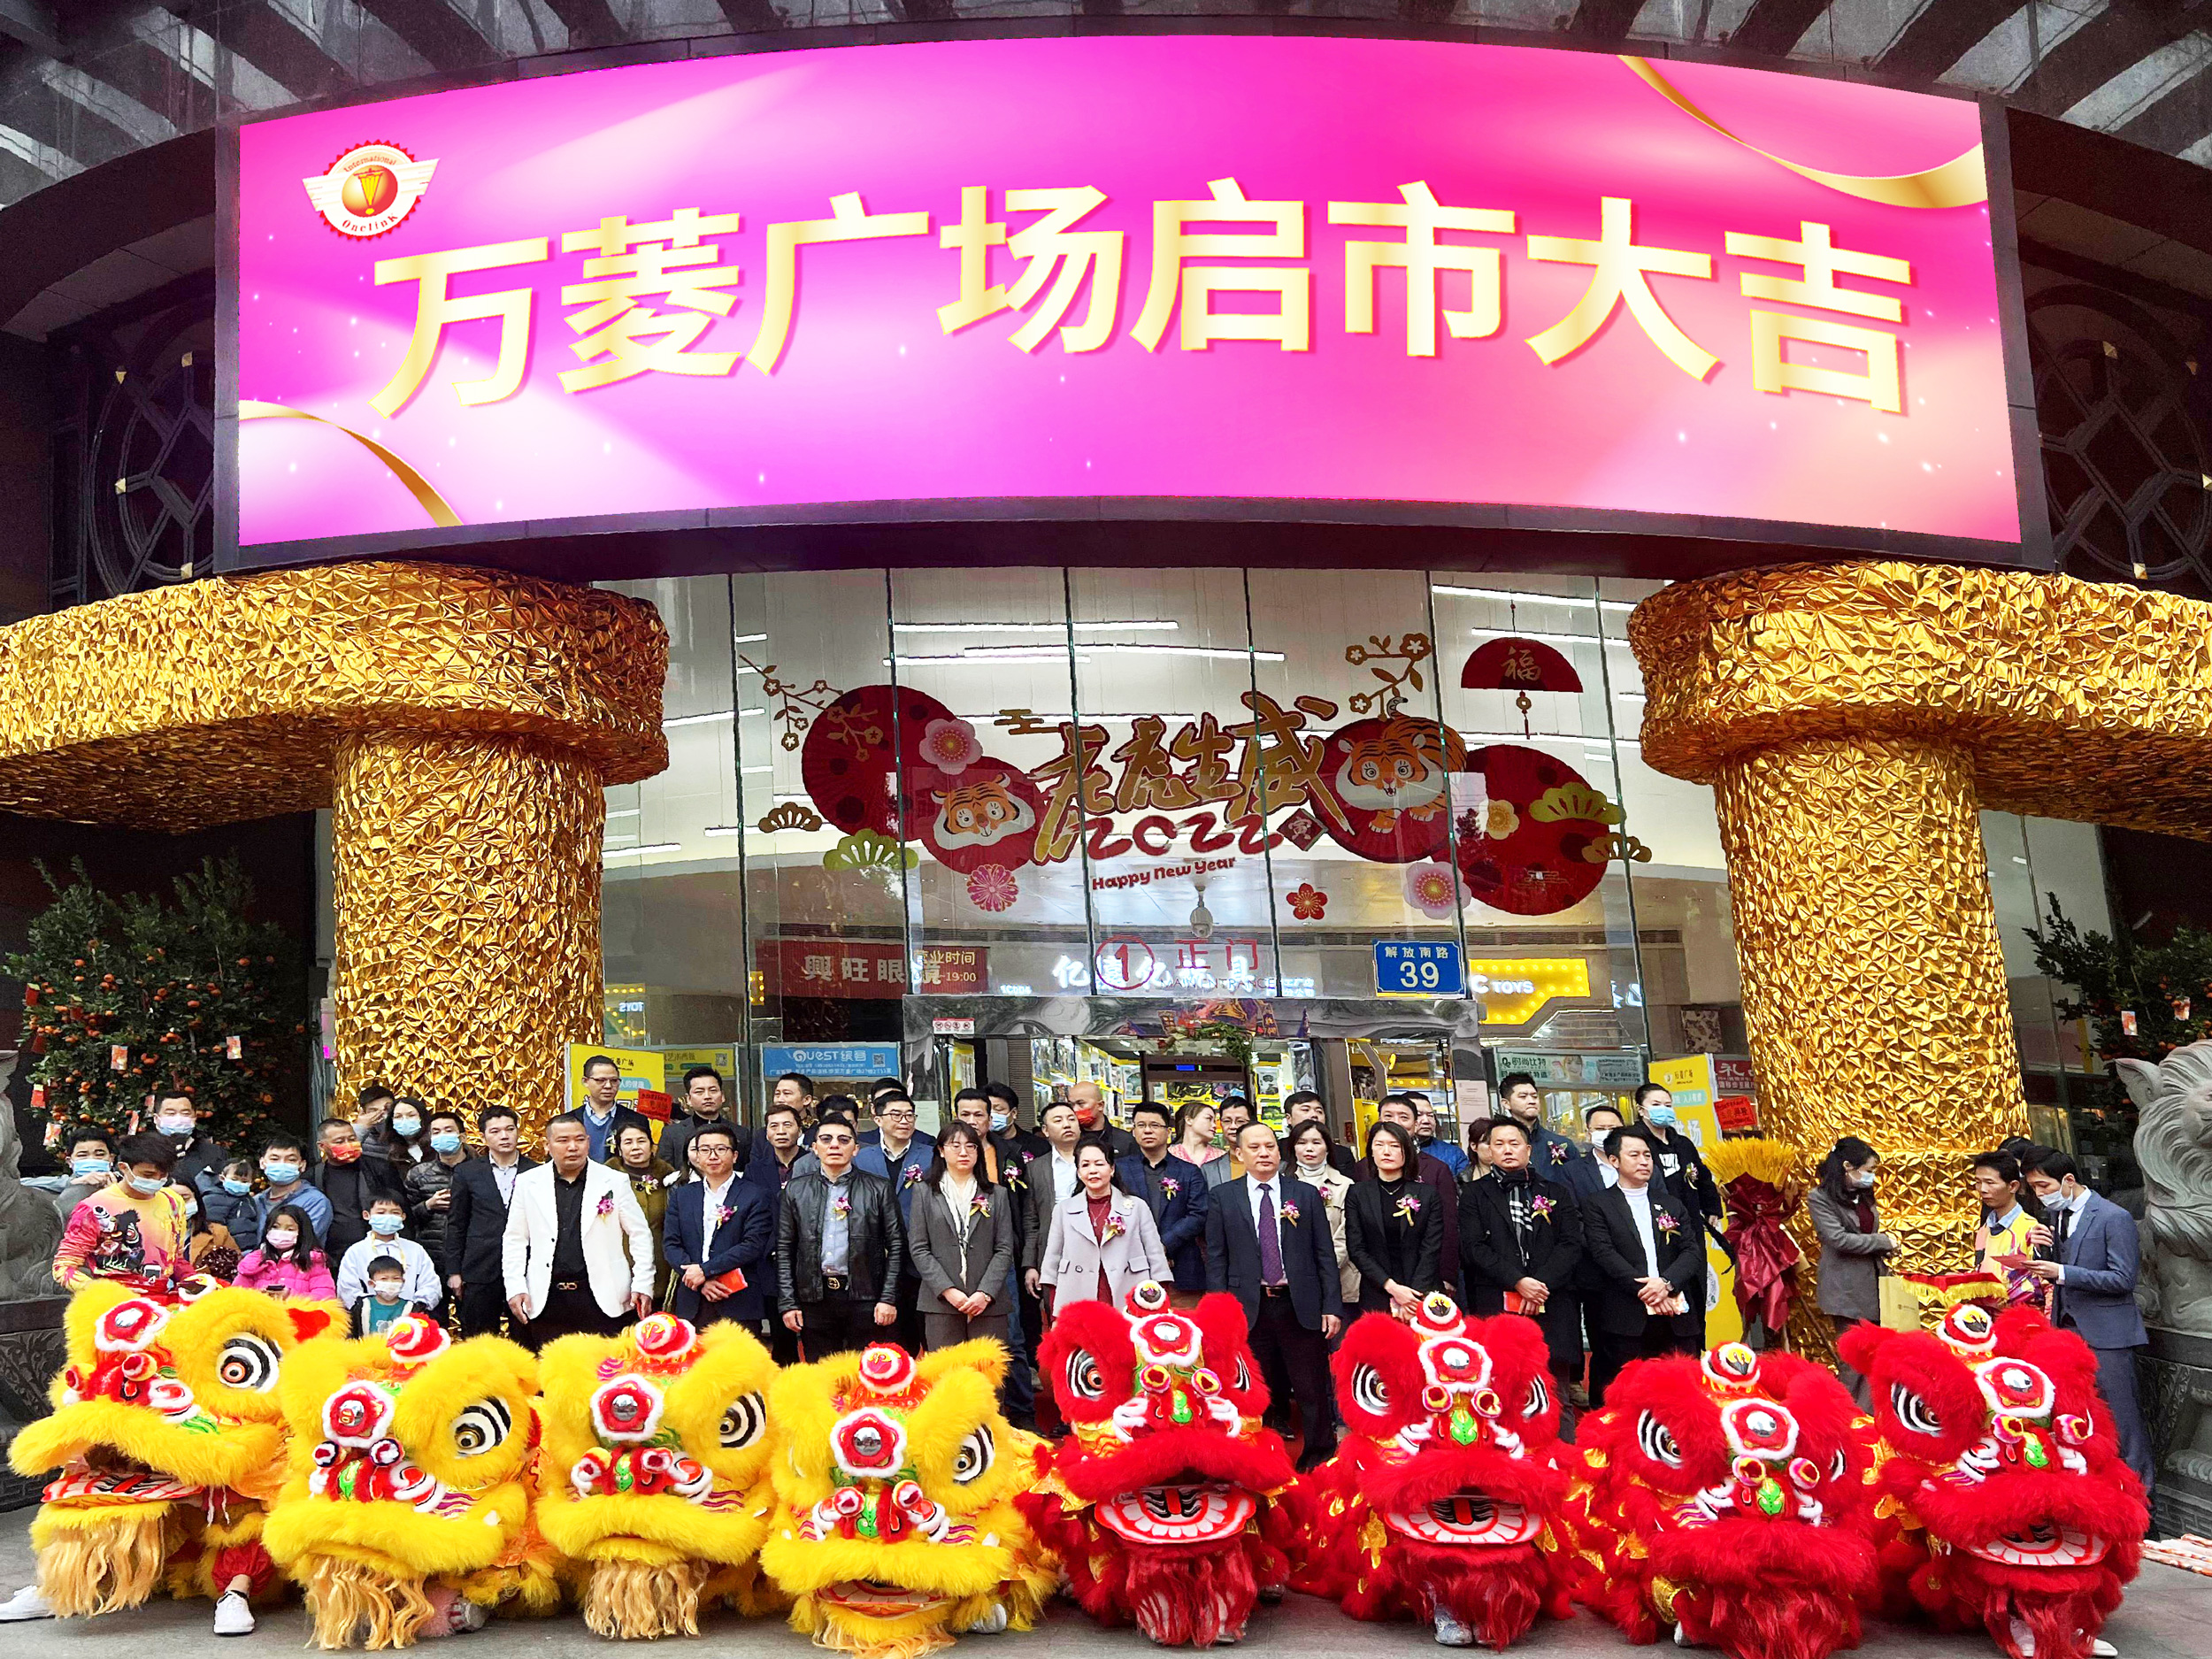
(656, 1449)
(165, 1440)
(409, 1492)
(894, 1524)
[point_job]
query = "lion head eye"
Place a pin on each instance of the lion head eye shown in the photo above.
(1085, 1381)
(1370, 1393)
(1658, 1441)
(742, 1424)
(247, 1362)
(1539, 1400)
(482, 1427)
(1912, 1411)
(975, 1456)
(1244, 1376)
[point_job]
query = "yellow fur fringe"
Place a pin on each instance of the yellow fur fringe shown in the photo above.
(907, 1638)
(637, 1601)
(747, 1588)
(343, 1596)
(103, 1566)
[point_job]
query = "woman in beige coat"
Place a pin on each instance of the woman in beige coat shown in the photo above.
(1102, 1243)
(1309, 1145)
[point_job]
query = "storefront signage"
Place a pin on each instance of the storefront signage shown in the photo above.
(642, 1070)
(1419, 968)
(1514, 990)
(1573, 1071)
(1060, 272)
(866, 968)
(826, 1062)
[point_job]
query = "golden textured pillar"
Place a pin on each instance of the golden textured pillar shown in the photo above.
(1853, 719)
(462, 723)
(467, 881)
(1873, 982)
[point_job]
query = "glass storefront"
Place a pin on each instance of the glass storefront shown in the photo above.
(1176, 832)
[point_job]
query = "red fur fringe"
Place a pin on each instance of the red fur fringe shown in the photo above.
(1189, 1597)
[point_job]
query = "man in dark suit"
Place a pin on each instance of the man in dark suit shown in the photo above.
(2099, 1260)
(705, 1102)
(1267, 1242)
(1586, 1174)
(482, 1189)
(1521, 1235)
(1176, 1191)
(776, 1155)
(1432, 1172)
(1649, 1254)
(901, 1155)
(716, 1225)
(351, 1183)
(605, 1117)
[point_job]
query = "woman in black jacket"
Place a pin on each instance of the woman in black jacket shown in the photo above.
(1392, 1230)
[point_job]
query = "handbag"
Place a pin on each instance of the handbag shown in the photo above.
(1901, 1303)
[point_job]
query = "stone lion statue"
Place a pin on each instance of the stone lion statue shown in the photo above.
(2173, 1143)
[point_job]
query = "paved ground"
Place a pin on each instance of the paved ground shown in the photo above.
(2168, 1615)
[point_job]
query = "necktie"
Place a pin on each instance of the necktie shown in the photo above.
(1270, 1241)
(2066, 1222)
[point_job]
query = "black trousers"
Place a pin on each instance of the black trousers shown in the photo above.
(841, 1325)
(1296, 1363)
(783, 1341)
(1611, 1351)
(481, 1310)
(570, 1313)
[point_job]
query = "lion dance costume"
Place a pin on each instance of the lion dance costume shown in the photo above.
(165, 1444)
(1161, 1502)
(1440, 1505)
(895, 1527)
(656, 1449)
(1728, 1496)
(2005, 1501)
(408, 1508)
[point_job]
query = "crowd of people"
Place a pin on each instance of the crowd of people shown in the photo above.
(821, 1233)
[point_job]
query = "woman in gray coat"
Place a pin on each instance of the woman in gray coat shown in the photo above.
(1852, 1245)
(961, 1235)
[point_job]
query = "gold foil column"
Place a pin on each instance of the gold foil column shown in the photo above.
(1874, 983)
(467, 882)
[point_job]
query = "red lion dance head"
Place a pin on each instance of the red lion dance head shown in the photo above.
(1161, 1501)
(1439, 1504)
(2003, 1494)
(1728, 1496)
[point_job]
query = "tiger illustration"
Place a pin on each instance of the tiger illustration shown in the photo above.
(1396, 767)
(980, 813)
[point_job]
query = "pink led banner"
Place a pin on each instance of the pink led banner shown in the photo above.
(1229, 268)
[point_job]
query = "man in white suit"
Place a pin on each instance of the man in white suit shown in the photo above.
(578, 1253)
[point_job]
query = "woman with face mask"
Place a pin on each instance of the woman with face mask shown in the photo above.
(1852, 1245)
(286, 1264)
(403, 1140)
(138, 1227)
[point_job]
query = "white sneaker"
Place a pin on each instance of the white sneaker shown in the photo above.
(1682, 1636)
(2099, 1648)
(233, 1615)
(468, 1616)
(26, 1603)
(993, 1622)
(2023, 1638)
(1450, 1632)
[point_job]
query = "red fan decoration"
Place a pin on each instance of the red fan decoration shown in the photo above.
(1518, 665)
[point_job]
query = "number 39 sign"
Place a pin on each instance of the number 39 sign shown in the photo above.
(1419, 968)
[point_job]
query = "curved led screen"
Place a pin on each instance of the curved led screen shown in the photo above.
(1051, 275)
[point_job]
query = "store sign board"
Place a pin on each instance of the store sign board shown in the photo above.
(1060, 272)
(869, 969)
(843, 1062)
(1419, 967)
(642, 1070)
(1573, 1071)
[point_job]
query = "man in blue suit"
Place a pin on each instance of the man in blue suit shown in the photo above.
(2100, 1259)
(1583, 1172)
(894, 1151)
(1175, 1190)
(1268, 1243)
(714, 1223)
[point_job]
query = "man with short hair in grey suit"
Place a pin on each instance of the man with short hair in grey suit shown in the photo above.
(2100, 1258)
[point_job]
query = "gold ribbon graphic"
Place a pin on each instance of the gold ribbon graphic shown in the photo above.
(1958, 182)
(421, 488)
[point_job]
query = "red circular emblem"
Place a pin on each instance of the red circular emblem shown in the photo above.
(1388, 787)
(1529, 843)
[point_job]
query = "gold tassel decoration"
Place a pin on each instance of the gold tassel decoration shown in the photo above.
(636, 1602)
(344, 1596)
(103, 1566)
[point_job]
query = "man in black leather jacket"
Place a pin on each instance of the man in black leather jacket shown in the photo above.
(839, 1247)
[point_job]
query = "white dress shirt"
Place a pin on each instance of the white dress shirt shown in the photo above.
(1639, 1211)
(716, 1197)
(1065, 1182)
(2076, 1205)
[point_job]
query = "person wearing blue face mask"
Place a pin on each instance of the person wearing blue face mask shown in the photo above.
(1675, 1158)
(387, 1218)
(91, 1167)
(429, 1184)
(284, 1170)
(227, 1194)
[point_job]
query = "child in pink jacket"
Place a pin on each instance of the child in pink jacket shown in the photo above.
(288, 1265)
